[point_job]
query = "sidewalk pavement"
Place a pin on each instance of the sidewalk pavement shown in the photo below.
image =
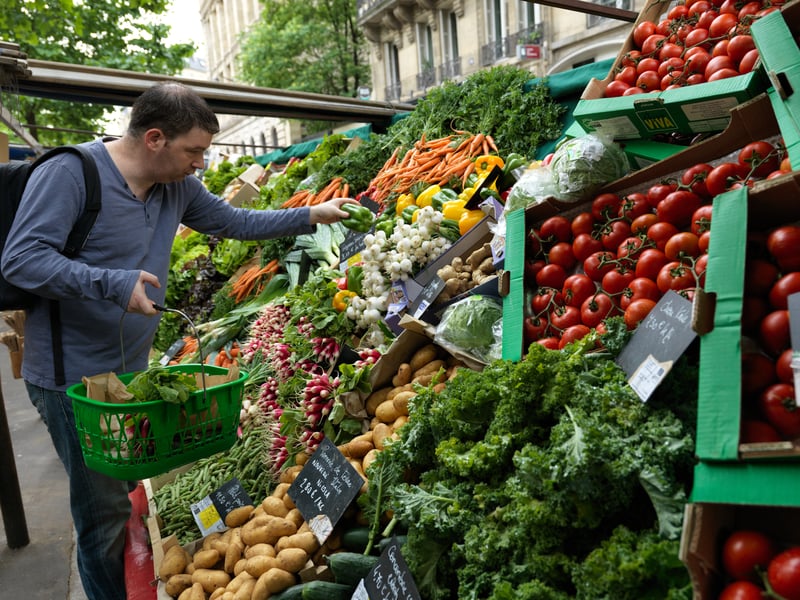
(45, 568)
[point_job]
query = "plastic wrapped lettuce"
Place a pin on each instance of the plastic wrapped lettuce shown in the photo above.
(472, 325)
(584, 164)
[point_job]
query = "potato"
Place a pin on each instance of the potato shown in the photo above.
(218, 593)
(210, 539)
(177, 583)
(292, 559)
(423, 356)
(400, 404)
(174, 562)
(356, 448)
(268, 532)
(382, 433)
(259, 564)
(232, 555)
(280, 490)
(246, 591)
(369, 458)
(403, 375)
(273, 581)
(289, 474)
(375, 398)
(205, 559)
(210, 579)
(431, 367)
(274, 506)
(238, 516)
(288, 503)
(185, 594)
(296, 517)
(197, 592)
(236, 583)
(399, 422)
(248, 529)
(261, 549)
(396, 390)
(305, 540)
(387, 412)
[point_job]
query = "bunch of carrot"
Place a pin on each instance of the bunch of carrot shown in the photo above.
(225, 357)
(190, 347)
(253, 280)
(433, 162)
(335, 188)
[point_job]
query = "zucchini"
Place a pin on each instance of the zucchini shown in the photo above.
(326, 590)
(356, 539)
(349, 568)
(291, 593)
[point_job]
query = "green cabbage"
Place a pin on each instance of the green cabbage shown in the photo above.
(469, 324)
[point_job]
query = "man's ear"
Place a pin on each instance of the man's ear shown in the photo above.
(155, 139)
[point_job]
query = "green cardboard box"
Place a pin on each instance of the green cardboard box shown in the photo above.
(693, 109)
(749, 483)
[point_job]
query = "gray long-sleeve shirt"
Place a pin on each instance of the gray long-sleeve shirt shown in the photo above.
(129, 236)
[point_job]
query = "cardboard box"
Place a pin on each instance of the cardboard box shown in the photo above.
(775, 36)
(705, 527)
(691, 109)
(735, 214)
(239, 193)
(774, 483)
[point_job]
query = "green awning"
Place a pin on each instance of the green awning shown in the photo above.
(303, 149)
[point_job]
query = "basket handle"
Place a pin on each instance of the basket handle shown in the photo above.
(197, 337)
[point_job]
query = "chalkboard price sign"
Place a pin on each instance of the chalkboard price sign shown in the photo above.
(325, 488)
(427, 296)
(390, 579)
(229, 497)
(660, 339)
(352, 244)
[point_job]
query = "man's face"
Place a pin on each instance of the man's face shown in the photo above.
(182, 156)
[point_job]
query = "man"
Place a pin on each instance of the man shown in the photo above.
(147, 191)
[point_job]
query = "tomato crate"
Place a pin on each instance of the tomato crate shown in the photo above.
(138, 440)
(684, 111)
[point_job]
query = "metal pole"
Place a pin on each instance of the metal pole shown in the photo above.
(10, 497)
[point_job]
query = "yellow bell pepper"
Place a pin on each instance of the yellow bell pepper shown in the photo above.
(469, 219)
(453, 209)
(466, 194)
(425, 197)
(485, 162)
(341, 299)
(403, 202)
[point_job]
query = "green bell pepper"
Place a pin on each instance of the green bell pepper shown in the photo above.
(442, 196)
(408, 213)
(513, 161)
(360, 219)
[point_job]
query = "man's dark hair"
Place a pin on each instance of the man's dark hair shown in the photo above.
(173, 108)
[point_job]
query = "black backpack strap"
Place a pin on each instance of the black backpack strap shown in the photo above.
(75, 241)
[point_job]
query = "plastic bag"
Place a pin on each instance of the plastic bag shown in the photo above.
(471, 326)
(533, 186)
(584, 164)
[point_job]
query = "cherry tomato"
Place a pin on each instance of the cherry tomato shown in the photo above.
(741, 590)
(701, 220)
(596, 308)
(605, 206)
(551, 276)
(585, 245)
(639, 288)
(652, 44)
(783, 367)
(649, 81)
(660, 232)
(544, 300)
(781, 289)
(572, 333)
(642, 31)
(759, 157)
(562, 317)
(641, 223)
(774, 332)
(657, 192)
(616, 280)
(582, 223)
(723, 176)
(743, 551)
(778, 407)
(695, 178)
(556, 229)
(675, 276)
(634, 205)
(631, 247)
(678, 207)
(598, 264)
(783, 574)
(533, 329)
(617, 88)
(755, 431)
(636, 312)
(627, 75)
(682, 245)
(614, 233)
(783, 244)
(577, 287)
(561, 254)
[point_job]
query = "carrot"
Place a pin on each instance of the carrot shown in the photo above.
(346, 190)
(476, 144)
(467, 172)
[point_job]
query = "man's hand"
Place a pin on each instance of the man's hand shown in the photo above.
(329, 212)
(139, 302)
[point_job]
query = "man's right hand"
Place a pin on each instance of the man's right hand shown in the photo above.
(139, 302)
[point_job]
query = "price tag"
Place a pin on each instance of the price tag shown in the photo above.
(176, 347)
(427, 296)
(207, 516)
(660, 339)
(352, 245)
(325, 488)
(229, 497)
(390, 579)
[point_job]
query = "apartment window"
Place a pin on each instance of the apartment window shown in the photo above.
(427, 71)
(496, 16)
(392, 72)
(451, 61)
(530, 14)
(594, 20)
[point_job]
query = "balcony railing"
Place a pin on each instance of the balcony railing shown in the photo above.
(426, 79)
(507, 46)
(393, 91)
(450, 69)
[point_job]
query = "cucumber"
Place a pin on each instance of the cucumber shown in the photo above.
(326, 590)
(356, 539)
(401, 539)
(349, 568)
(291, 593)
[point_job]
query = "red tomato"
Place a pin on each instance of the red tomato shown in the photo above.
(605, 206)
(783, 367)
(760, 158)
(754, 309)
(783, 574)
(616, 88)
(779, 408)
(697, 61)
(652, 44)
(758, 372)
(633, 90)
(704, 240)
(636, 312)
(671, 65)
(598, 264)
(774, 332)
(743, 551)
(634, 205)
(631, 247)
(641, 223)
(669, 50)
(781, 289)
(678, 207)
(739, 45)
(748, 11)
(701, 220)
(748, 62)
(723, 176)
(551, 276)
(783, 244)
(657, 192)
(532, 268)
(616, 280)
(544, 300)
(725, 73)
(585, 245)
(649, 81)
(582, 223)
(695, 178)
(561, 254)
(717, 63)
(759, 277)
(533, 329)
(577, 287)
(596, 308)
(562, 317)
(556, 229)
(721, 25)
(660, 232)
(572, 333)
(639, 288)
(681, 246)
(705, 20)
(700, 265)
(614, 233)
(741, 590)
(675, 276)
(626, 75)
(642, 31)
(786, 164)
(755, 431)
(550, 342)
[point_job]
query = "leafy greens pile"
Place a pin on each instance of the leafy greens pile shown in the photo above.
(543, 479)
(159, 383)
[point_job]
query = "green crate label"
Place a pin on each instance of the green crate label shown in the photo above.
(656, 119)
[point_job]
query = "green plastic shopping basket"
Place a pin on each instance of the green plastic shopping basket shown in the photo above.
(139, 440)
